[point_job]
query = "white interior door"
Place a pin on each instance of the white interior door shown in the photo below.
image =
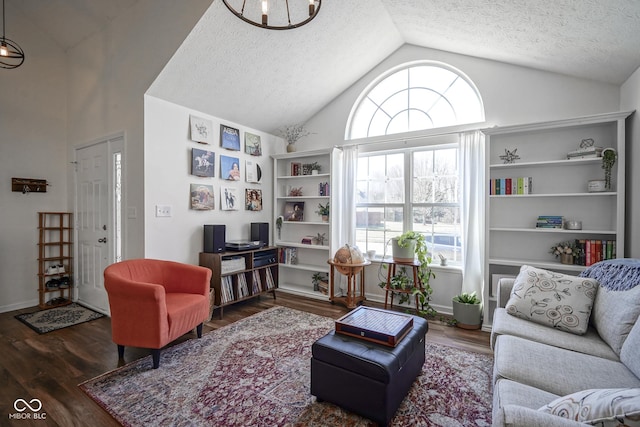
(93, 221)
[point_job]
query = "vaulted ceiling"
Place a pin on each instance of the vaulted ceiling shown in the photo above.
(268, 78)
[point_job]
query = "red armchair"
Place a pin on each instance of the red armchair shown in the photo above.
(153, 302)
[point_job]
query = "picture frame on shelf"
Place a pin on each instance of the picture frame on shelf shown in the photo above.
(229, 138)
(294, 211)
(201, 129)
(202, 163)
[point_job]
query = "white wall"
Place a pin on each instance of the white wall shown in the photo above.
(32, 145)
(630, 100)
(511, 95)
(168, 177)
(109, 74)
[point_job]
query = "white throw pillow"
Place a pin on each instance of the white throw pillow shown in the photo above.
(601, 407)
(553, 299)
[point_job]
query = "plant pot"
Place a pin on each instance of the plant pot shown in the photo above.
(314, 172)
(325, 218)
(400, 254)
(291, 148)
(566, 259)
(467, 316)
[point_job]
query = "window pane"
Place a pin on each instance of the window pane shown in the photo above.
(388, 86)
(441, 226)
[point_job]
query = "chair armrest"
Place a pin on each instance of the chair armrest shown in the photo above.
(187, 278)
(526, 417)
(504, 291)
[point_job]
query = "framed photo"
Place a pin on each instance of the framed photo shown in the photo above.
(294, 211)
(230, 168)
(495, 278)
(253, 199)
(252, 144)
(201, 130)
(253, 171)
(229, 199)
(202, 197)
(202, 162)
(229, 138)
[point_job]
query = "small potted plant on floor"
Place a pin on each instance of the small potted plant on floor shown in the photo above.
(323, 211)
(467, 311)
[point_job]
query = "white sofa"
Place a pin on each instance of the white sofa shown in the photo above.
(535, 364)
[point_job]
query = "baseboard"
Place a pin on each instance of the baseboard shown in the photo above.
(18, 306)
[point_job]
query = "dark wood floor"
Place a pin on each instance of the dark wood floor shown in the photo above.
(49, 367)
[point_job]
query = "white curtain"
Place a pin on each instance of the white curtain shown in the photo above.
(344, 161)
(473, 210)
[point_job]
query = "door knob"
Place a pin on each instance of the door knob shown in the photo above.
(103, 240)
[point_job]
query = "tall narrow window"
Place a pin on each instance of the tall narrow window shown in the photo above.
(413, 97)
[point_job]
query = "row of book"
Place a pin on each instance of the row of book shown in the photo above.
(298, 169)
(585, 153)
(549, 221)
(228, 292)
(594, 250)
(511, 186)
(323, 189)
(288, 256)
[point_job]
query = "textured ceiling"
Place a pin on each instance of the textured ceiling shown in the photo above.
(265, 79)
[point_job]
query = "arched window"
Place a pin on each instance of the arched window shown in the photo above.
(415, 96)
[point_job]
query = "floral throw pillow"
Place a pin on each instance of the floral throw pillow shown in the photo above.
(553, 299)
(599, 407)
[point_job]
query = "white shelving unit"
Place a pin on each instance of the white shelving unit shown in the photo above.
(559, 188)
(311, 258)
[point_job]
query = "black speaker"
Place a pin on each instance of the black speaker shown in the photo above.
(260, 231)
(214, 238)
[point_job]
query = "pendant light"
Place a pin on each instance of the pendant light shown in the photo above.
(11, 55)
(275, 14)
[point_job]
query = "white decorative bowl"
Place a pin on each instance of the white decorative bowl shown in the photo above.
(573, 225)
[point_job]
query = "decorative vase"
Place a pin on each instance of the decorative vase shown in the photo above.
(400, 254)
(566, 259)
(325, 218)
(468, 316)
(291, 148)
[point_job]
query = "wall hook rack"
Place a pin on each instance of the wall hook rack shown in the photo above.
(29, 185)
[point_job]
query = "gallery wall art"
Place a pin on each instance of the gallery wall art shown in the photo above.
(201, 130)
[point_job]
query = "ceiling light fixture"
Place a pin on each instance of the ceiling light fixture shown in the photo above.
(281, 16)
(11, 55)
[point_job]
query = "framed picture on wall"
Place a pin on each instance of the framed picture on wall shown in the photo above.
(229, 138)
(253, 199)
(230, 168)
(201, 130)
(253, 171)
(252, 144)
(202, 162)
(229, 199)
(202, 197)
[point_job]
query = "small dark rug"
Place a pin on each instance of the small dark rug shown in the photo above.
(256, 372)
(52, 319)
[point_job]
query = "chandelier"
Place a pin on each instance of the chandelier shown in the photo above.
(11, 55)
(274, 14)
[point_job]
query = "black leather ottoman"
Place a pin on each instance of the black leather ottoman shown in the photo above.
(367, 378)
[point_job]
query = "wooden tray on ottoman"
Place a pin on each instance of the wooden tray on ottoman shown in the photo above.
(376, 325)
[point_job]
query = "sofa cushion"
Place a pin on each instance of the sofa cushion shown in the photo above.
(630, 349)
(556, 370)
(589, 343)
(553, 299)
(614, 314)
(602, 407)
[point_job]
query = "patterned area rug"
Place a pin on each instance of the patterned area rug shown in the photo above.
(256, 372)
(57, 318)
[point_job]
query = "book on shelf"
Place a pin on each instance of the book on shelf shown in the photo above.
(585, 153)
(511, 186)
(269, 279)
(257, 282)
(595, 250)
(323, 189)
(550, 221)
(289, 256)
(226, 289)
(296, 169)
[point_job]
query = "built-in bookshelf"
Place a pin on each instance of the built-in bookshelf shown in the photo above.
(303, 237)
(237, 276)
(559, 188)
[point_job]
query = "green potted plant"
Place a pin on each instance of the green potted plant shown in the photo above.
(320, 282)
(609, 156)
(409, 247)
(467, 311)
(323, 211)
(315, 168)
